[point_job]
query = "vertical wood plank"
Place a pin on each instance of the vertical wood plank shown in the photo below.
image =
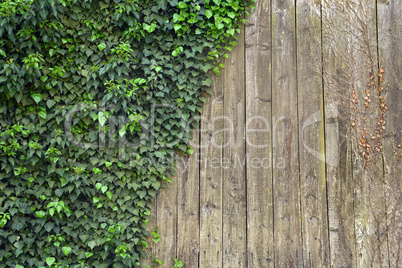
(260, 244)
(211, 151)
(166, 222)
(188, 207)
(390, 53)
(151, 225)
(311, 136)
(234, 186)
(287, 218)
(369, 208)
(340, 186)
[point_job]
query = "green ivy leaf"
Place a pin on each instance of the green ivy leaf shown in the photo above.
(42, 114)
(37, 97)
(162, 4)
(50, 261)
(98, 186)
(101, 46)
(40, 214)
(66, 250)
(208, 13)
(182, 5)
(108, 164)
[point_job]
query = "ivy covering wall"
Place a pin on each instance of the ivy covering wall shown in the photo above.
(97, 100)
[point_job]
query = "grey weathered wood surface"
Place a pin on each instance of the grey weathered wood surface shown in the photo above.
(188, 235)
(340, 185)
(211, 180)
(286, 173)
(234, 215)
(390, 53)
(313, 192)
(276, 179)
(260, 234)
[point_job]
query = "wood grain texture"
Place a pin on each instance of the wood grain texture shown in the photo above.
(390, 53)
(340, 185)
(277, 180)
(311, 135)
(369, 208)
(188, 234)
(286, 180)
(151, 225)
(260, 243)
(211, 179)
(234, 183)
(166, 212)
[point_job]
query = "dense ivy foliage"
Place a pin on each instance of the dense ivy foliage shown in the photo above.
(97, 99)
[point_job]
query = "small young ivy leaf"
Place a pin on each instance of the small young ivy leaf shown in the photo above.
(40, 214)
(91, 244)
(108, 164)
(182, 5)
(42, 114)
(66, 250)
(50, 261)
(104, 189)
(98, 186)
(190, 151)
(88, 254)
(208, 13)
(102, 119)
(122, 131)
(37, 97)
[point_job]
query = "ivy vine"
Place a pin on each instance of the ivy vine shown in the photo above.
(98, 98)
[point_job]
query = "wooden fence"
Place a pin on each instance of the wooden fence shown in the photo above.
(275, 180)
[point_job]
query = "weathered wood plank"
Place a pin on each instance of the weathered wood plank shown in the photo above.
(211, 150)
(311, 135)
(340, 186)
(390, 53)
(260, 244)
(286, 181)
(234, 184)
(166, 212)
(151, 225)
(188, 221)
(369, 208)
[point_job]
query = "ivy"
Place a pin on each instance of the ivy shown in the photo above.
(97, 101)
